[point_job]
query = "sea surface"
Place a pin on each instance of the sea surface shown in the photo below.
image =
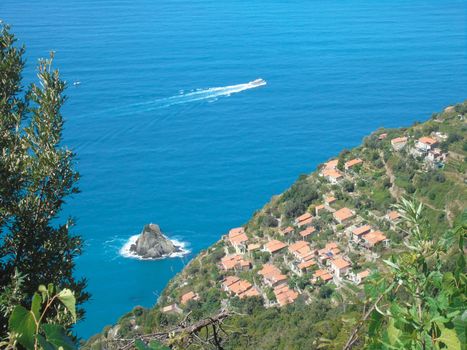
(168, 131)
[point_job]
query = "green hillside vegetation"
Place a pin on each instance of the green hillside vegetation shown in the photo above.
(320, 306)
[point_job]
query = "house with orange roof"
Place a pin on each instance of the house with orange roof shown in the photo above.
(274, 246)
(332, 175)
(238, 239)
(321, 275)
(425, 144)
(189, 297)
(272, 276)
(286, 231)
(339, 267)
(306, 233)
(382, 136)
(358, 232)
(398, 143)
(303, 267)
(235, 262)
(394, 217)
(301, 250)
(171, 309)
(253, 247)
(359, 277)
(285, 295)
(332, 164)
(330, 251)
(352, 163)
(329, 200)
(374, 238)
(304, 219)
(319, 208)
(343, 216)
(241, 288)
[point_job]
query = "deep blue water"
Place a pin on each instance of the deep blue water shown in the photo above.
(336, 70)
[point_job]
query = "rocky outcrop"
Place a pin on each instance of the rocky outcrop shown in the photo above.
(152, 244)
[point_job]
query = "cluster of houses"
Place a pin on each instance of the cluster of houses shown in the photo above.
(292, 251)
(331, 172)
(426, 147)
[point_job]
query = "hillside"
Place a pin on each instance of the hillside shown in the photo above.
(293, 274)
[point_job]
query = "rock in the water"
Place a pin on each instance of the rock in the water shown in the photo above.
(152, 244)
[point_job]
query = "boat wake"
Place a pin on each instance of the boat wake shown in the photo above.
(127, 253)
(210, 94)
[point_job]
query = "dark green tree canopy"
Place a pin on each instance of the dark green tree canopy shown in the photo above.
(36, 176)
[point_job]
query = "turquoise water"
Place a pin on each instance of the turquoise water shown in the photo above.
(335, 71)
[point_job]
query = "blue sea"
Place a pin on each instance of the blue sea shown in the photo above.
(163, 135)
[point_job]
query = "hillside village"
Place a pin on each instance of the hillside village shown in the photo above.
(305, 255)
(337, 240)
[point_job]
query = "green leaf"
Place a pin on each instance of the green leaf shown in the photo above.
(449, 338)
(45, 345)
(393, 332)
(22, 322)
(68, 299)
(56, 335)
(139, 344)
(460, 325)
(155, 345)
(36, 305)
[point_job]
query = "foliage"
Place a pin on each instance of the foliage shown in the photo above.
(32, 330)
(419, 304)
(36, 175)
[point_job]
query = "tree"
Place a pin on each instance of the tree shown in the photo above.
(420, 303)
(36, 176)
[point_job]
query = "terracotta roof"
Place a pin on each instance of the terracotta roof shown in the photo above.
(329, 200)
(253, 246)
(343, 214)
(239, 287)
(363, 274)
(232, 261)
(305, 222)
(237, 236)
(306, 264)
(274, 246)
(336, 174)
(394, 215)
(319, 207)
(269, 270)
(332, 164)
(353, 162)
(229, 280)
(399, 140)
(252, 292)
(323, 274)
(382, 136)
(361, 230)
(188, 296)
(285, 295)
(374, 237)
(340, 263)
(308, 231)
(298, 245)
(303, 217)
(427, 140)
(171, 308)
(286, 231)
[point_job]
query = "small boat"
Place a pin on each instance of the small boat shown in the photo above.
(258, 82)
(76, 83)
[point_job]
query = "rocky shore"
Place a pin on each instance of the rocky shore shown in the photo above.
(153, 244)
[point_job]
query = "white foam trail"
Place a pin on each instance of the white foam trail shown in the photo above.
(182, 97)
(126, 253)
